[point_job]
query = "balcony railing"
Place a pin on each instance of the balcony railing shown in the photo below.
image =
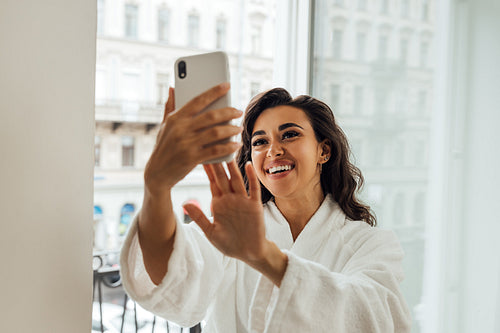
(128, 111)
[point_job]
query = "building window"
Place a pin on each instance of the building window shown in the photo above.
(405, 8)
(399, 153)
(419, 209)
(337, 43)
(100, 17)
(220, 34)
(422, 102)
(193, 30)
(381, 98)
(256, 39)
(377, 153)
(403, 51)
(335, 98)
(163, 25)
(357, 150)
(424, 53)
(254, 89)
(131, 20)
(399, 209)
(361, 46)
(128, 144)
(162, 84)
(382, 47)
(425, 10)
(97, 151)
(362, 5)
(359, 93)
(384, 6)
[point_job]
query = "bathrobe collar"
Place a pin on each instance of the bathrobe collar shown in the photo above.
(327, 219)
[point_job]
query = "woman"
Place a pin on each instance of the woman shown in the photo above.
(290, 248)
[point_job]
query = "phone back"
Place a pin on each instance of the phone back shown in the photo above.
(200, 73)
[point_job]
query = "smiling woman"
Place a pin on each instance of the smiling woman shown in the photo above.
(314, 129)
(303, 258)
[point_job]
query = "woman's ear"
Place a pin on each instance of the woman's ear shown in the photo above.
(325, 151)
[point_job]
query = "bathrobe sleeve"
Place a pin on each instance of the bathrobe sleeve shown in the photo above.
(361, 296)
(195, 273)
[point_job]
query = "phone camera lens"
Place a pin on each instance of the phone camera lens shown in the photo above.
(182, 69)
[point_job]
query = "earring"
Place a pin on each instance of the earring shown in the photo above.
(326, 158)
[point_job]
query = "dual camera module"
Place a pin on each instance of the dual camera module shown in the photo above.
(181, 69)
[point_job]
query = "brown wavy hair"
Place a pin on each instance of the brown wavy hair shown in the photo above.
(339, 177)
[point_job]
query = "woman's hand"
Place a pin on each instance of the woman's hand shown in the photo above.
(185, 136)
(238, 228)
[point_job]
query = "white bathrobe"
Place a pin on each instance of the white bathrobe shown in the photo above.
(342, 276)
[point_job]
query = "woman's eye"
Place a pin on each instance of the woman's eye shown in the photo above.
(290, 134)
(258, 142)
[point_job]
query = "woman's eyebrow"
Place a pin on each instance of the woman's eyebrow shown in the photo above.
(258, 133)
(280, 128)
(286, 125)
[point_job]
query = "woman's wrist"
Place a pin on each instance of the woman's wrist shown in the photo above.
(273, 264)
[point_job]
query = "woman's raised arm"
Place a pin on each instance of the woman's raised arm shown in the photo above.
(183, 141)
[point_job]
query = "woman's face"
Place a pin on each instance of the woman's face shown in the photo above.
(286, 154)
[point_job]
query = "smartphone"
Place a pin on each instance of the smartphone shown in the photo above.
(196, 74)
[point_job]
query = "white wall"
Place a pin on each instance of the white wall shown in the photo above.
(47, 66)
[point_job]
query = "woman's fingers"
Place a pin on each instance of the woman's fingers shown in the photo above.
(203, 100)
(211, 178)
(236, 181)
(253, 182)
(170, 105)
(197, 215)
(221, 177)
(214, 117)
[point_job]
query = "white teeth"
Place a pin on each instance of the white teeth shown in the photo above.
(280, 168)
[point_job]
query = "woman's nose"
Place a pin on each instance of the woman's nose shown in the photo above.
(275, 149)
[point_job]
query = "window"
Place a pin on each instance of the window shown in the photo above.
(403, 51)
(100, 17)
(399, 209)
(399, 153)
(422, 102)
(254, 89)
(425, 10)
(405, 8)
(193, 30)
(381, 100)
(220, 34)
(384, 6)
(97, 151)
(128, 143)
(337, 43)
(362, 5)
(256, 39)
(131, 20)
(359, 92)
(163, 25)
(132, 80)
(424, 53)
(335, 98)
(382, 47)
(361, 46)
(162, 84)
